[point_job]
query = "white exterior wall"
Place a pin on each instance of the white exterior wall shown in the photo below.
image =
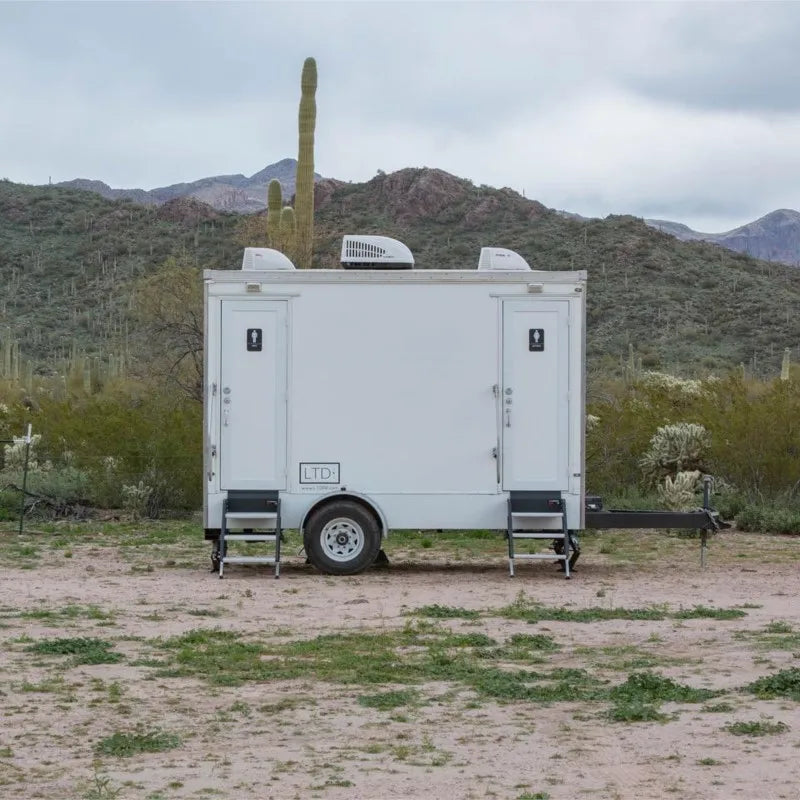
(391, 377)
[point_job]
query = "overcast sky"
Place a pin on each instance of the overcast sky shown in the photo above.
(689, 112)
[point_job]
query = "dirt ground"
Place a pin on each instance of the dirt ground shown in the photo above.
(299, 735)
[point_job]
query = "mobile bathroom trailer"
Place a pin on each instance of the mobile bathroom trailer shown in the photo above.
(350, 402)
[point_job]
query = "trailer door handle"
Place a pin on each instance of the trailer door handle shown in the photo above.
(212, 448)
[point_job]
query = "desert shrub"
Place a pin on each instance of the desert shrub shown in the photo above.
(755, 427)
(752, 449)
(96, 444)
(730, 506)
(768, 518)
(52, 490)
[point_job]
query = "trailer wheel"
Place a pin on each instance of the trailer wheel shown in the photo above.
(342, 538)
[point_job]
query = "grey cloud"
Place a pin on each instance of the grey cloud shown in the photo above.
(730, 56)
(153, 93)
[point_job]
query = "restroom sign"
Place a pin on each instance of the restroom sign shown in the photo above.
(536, 340)
(254, 339)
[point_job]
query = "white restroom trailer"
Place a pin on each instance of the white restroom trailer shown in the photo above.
(350, 402)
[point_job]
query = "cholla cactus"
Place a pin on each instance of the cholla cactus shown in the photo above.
(675, 448)
(14, 454)
(672, 384)
(679, 493)
(110, 464)
(592, 422)
(136, 498)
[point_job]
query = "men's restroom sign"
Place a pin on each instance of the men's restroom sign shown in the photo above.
(254, 339)
(536, 340)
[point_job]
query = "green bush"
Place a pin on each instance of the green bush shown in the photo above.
(753, 428)
(64, 487)
(769, 518)
(92, 446)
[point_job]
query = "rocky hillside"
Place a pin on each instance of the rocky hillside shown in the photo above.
(71, 261)
(236, 193)
(774, 237)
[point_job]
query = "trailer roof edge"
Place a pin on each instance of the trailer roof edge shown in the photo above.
(393, 276)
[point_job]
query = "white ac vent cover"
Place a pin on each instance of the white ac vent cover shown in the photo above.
(498, 258)
(379, 252)
(260, 259)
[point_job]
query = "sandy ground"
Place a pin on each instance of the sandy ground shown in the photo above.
(300, 738)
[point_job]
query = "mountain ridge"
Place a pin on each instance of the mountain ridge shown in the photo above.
(773, 237)
(237, 193)
(71, 262)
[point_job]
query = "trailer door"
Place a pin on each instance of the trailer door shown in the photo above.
(253, 394)
(535, 395)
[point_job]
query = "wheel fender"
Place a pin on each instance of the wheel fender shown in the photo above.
(359, 498)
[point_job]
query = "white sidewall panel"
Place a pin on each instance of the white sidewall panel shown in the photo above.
(394, 386)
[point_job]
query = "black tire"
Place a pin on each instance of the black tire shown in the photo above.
(342, 538)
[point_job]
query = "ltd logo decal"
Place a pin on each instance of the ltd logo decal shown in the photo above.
(319, 472)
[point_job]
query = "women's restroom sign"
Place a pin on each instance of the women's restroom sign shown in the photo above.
(254, 339)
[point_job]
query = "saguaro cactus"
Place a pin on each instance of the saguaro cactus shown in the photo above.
(304, 192)
(785, 366)
(274, 203)
(288, 232)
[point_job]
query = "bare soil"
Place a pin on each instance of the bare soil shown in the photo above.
(304, 738)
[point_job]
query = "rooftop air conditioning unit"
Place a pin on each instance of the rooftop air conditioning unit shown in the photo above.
(500, 259)
(375, 252)
(261, 259)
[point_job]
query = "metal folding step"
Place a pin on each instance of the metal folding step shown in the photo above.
(252, 517)
(539, 516)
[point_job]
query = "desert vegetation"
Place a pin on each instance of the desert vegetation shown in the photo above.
(136, 445)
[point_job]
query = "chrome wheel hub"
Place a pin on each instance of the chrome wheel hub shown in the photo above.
(342, 539)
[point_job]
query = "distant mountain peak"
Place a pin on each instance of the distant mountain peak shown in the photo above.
(773, 237)
(285, 165)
